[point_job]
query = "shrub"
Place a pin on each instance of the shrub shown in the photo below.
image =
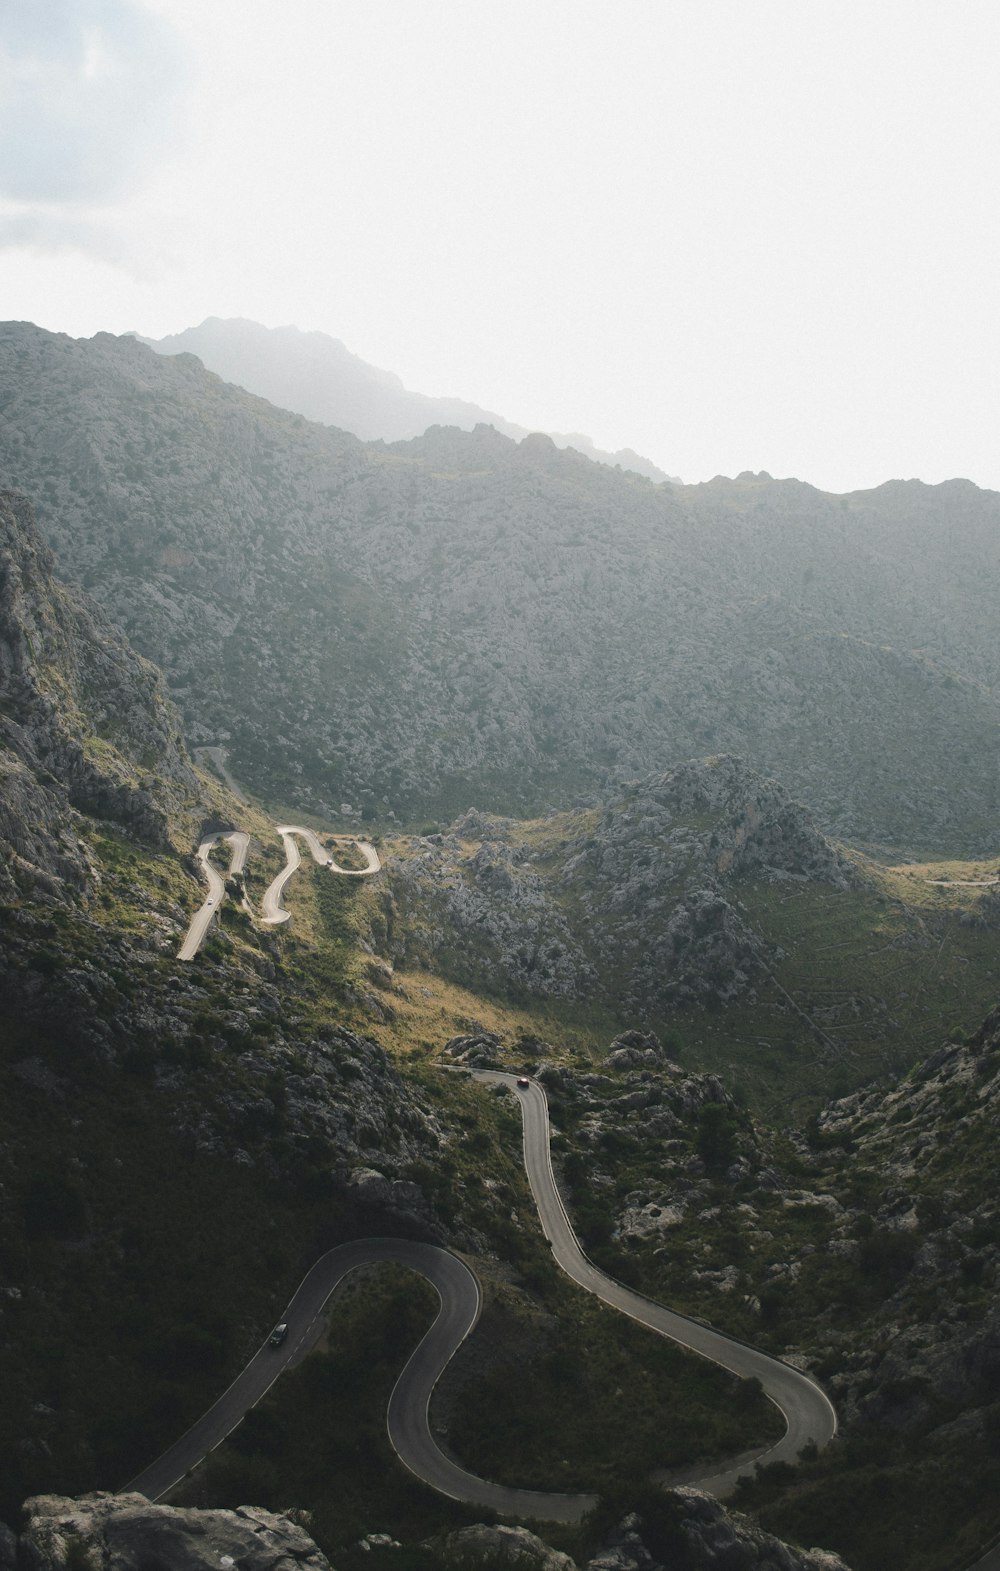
(716, 1139)
(53, 1208)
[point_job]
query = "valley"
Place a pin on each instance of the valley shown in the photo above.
(552, 729)
(808, 1415)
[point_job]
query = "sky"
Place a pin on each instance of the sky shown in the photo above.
(730, 234)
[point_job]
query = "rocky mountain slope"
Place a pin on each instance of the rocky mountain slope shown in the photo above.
(704, 903)
(464, 619)
(866, 1249)
(128, 1533)
(316, 376)
(85, 724)
(628, 903)
(125, 1078)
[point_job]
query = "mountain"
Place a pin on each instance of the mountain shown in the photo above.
(705, 905)
(462, 619)
(316, 376)
(180, 1141)
(85, 725)
(628, 902)
(126, 1078)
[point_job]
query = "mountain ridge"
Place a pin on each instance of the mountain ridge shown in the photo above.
(315, 375)
(473, 620)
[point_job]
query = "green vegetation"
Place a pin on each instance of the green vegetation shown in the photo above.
(856, 983)
(319, 1439)
(578, 1397)
(921, 1503)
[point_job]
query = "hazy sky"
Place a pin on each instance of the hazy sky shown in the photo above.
(729, 233)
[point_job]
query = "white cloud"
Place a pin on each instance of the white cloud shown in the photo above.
(728, 236)
(89, 96)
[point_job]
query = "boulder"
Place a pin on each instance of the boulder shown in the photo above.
(509, 1548)
(129, 1533)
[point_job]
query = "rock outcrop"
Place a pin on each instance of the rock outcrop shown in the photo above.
(502, 1548)
(636, 901)
(703, 1536)
(686, 1528)
(128, 1533)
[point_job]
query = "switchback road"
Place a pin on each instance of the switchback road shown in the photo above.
(216, 888)
(273, 909)
(808, 1413)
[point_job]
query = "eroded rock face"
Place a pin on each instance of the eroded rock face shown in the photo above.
(128, 1533)
(85, 725)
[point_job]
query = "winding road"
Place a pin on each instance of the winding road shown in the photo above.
(808, 1413)
(240, 842)
(273, 910)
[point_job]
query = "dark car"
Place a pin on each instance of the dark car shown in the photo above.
(523, 1082)
(278, 1335)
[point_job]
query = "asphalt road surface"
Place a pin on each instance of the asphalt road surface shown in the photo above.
(807, 1410)
(273, 910)
(240, 842)
(808, 1413)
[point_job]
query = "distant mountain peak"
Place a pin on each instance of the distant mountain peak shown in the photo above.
(316, 375)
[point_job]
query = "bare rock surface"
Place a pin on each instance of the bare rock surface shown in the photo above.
(701, 1535)
(502, 1547)
(128, 1533)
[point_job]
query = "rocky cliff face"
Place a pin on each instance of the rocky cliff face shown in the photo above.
(85, 725)
(466, 618)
